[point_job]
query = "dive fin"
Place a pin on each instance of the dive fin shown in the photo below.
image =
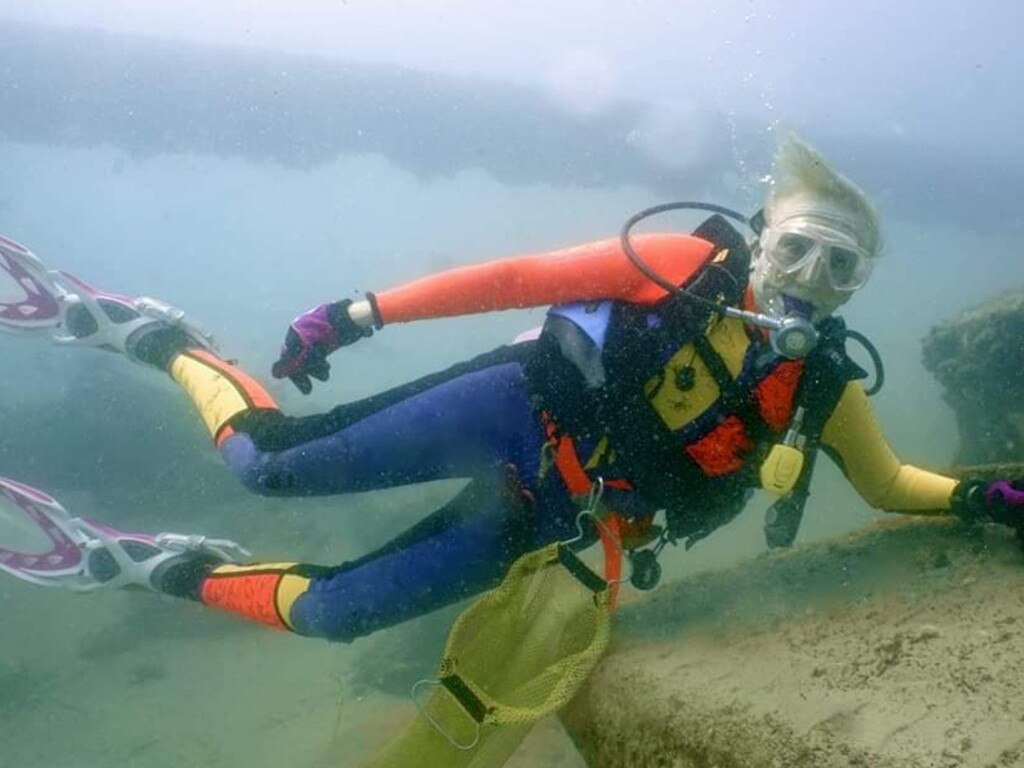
(36, 301)
(86, 554)
(30, 300)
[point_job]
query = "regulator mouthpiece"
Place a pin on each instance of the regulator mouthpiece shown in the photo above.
(794, 337)
(791, 336)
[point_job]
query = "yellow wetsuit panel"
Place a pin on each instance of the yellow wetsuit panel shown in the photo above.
(216, 396)
(874, 470)
(291, 588)
(679, 407)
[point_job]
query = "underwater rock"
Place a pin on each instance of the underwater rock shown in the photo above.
(978, 358)
(901, 646)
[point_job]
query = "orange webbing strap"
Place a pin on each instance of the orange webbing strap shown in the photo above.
(578, 482)
(567, 462)
(611, 542)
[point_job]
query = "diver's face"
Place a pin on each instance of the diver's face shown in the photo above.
(806, 267)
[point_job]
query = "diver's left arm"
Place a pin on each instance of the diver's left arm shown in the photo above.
(855, 438)
(591, 272)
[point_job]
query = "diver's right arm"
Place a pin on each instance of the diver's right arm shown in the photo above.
(855, 438)
(856, 441)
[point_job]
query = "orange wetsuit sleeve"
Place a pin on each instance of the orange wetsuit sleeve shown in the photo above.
(591, 272)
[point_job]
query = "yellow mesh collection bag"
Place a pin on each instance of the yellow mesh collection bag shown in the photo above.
(520, 652)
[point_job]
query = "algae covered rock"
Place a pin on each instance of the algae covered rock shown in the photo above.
(978, 358)
(897, 647)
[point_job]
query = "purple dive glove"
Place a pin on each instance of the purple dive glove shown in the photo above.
(1002, 494)
(311, 337)
(999, 501)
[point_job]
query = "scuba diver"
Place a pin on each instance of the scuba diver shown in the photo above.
(673, 372)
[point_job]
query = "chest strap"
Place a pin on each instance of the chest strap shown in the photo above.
(733, 397)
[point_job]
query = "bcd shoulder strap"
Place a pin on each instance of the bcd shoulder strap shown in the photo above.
(827, 371)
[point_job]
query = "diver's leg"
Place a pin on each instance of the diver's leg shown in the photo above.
(462, 425)
(459, 551)
(450, 424)
(456, 423)
(453, 424)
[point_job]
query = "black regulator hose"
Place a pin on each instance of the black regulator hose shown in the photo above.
(876, 360)
(642, 265)
(671, 288)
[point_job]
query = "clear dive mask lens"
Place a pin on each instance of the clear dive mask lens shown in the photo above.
(847, 265)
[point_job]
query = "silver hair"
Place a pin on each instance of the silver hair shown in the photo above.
(804, 185)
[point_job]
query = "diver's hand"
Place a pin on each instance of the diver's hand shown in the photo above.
(311, 337)
(1005, 502)
(997, 501)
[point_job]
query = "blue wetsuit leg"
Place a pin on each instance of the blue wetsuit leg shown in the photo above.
(462, 427)
(458, 552)
(471, 425)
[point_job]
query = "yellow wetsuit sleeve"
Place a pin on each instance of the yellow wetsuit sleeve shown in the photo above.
(881, 479)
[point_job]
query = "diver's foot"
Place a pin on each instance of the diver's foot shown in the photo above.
(145, 330)
(170, 563)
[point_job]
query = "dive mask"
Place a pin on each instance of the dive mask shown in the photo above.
(796, 244)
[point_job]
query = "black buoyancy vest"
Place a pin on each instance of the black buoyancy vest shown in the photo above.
(599, 391)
